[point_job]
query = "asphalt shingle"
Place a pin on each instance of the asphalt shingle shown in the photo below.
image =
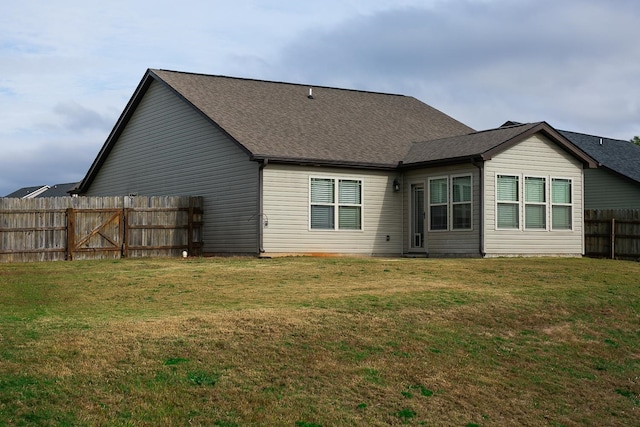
(280, 121)
(620, 156)
(25, 192)
(464, 146)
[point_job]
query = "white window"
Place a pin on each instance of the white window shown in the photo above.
(535, 203)
(561, 204)
(349, 204)
(450, 205)
(540, 202)
(322, 204)
(461, 202)
(508, 196)
(335, 202)
(438, 203)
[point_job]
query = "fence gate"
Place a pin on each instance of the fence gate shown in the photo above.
(95, 231)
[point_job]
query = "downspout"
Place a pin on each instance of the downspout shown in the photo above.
(402, 230)
(582, 237)
(260, 218)
(402, 189)
(480, 166)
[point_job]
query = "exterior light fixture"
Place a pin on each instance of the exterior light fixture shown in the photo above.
(396, 185)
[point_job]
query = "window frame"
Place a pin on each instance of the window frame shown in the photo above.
(336, 204)
(431, 205)
(515, 203)
(522, 202)
(460, 203)
(569, 205)
(544, 204)
(449, 204)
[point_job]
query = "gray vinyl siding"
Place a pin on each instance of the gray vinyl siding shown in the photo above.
(286, 213)
(536, 156)
(605, 190)
(444, 243)
(167, 148)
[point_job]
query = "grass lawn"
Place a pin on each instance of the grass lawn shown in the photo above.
(320, 342)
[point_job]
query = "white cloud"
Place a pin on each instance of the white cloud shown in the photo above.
(574, 63)
(77, 118)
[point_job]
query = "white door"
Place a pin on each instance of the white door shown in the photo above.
(417, 217)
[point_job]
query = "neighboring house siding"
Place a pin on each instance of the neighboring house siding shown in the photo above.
(443, 243)
(287, 205)
(536, 156)
(167, 148)
(606, 190)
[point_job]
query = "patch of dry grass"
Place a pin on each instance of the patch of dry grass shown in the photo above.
(320, 341)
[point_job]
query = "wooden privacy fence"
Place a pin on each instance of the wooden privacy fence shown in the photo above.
(59, 228)
(612, 233)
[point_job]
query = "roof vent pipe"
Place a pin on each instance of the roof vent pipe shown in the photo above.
(310, 96)
(600, 141)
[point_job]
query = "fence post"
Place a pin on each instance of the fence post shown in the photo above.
(124, 226)
(613, 238)
(71, 233)
(190, 227)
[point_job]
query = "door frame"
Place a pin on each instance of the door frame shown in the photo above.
(412, 218)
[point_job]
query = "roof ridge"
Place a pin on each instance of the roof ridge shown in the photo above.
(479, 132)
(306, 85)
(531, 124)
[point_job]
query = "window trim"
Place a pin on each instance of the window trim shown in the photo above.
(336, 203)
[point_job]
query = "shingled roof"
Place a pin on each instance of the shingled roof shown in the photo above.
(619, 156)
(484, 145)
(306, 124)
(28, 192)
(59, 190)
(294, 122)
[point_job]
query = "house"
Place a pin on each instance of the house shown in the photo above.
(28, 192)
(57, 190)
(615, 184)
(291, 169)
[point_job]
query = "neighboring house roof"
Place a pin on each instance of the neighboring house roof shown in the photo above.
(619, 156)
(485, 144)
(289, 122)
(58, 190)
(28, 192)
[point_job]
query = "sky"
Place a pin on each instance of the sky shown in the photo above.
(68, 67)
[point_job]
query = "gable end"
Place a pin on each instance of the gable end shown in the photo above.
(548, 131)
(124, 119)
